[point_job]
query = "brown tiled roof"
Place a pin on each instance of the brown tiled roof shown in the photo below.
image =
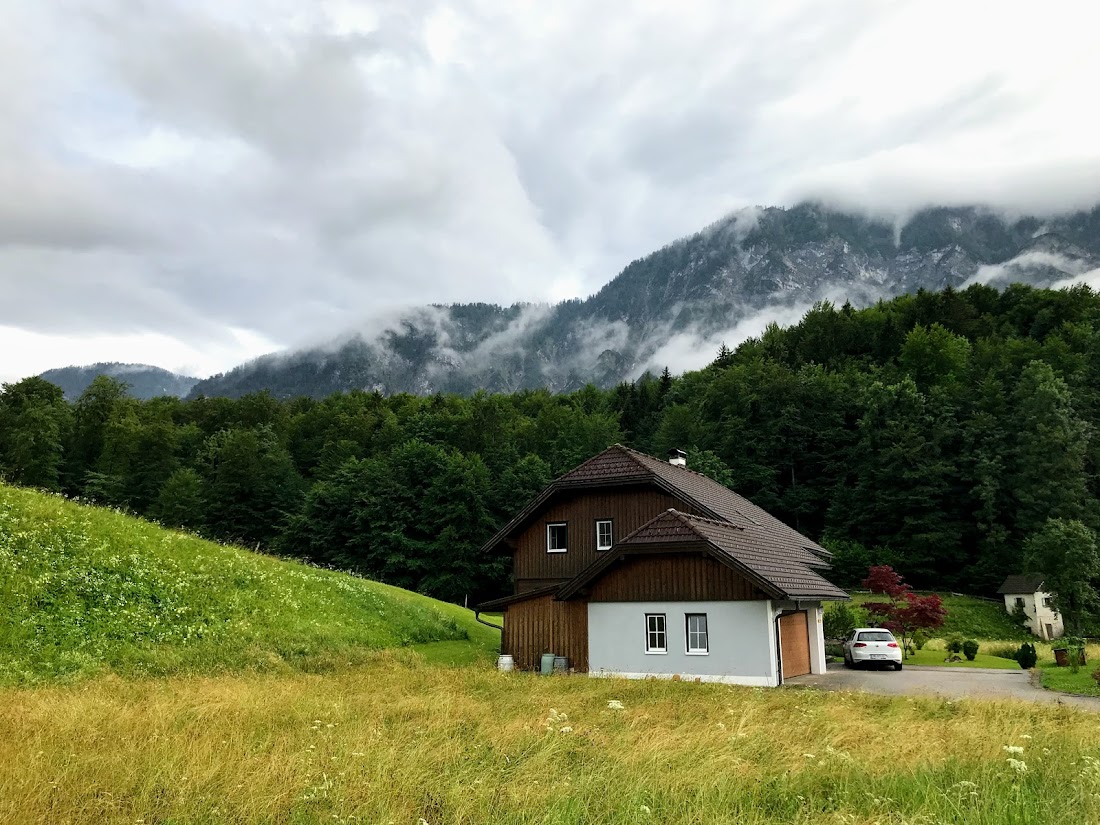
(784, 575)
(1022, 583)
(618, 465)
(622, 463)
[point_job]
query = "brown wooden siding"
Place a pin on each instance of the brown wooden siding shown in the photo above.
(680, 577)
(628, 507)
(527, 585)
(542, 625)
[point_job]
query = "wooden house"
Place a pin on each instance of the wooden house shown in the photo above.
(629, 565)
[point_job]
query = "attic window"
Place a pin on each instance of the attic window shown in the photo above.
(604, 537)
(557, 537)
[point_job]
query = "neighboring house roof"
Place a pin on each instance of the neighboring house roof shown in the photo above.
(620, 465)
(782, 571)
(1022, 583)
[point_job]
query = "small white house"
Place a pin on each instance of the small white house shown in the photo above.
(1026, 591)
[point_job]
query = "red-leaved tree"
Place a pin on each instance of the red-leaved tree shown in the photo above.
(906, 612)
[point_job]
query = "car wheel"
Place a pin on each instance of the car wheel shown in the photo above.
(897, 666)
(847, 661)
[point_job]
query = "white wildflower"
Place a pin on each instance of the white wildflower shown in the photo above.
(810, 755)
(645, 809)
(1018, 765)
(566, 729)
(1012, 749)
(615, 704)
(1025, 735)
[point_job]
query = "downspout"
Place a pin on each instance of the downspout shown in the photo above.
(479, 620)
(778, 650)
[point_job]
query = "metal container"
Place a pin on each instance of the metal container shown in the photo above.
(505, 663)
(561, 664)
(547, 664)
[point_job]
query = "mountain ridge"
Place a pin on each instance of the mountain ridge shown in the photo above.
(677, 305)
(145, 381)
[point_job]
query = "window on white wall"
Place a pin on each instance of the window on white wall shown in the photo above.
(557, 537)
(604, 538)
(1020, 602)
(1046, 601)
(697, 641)
(656, 639)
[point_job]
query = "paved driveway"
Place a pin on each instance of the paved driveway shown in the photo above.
(951, 682)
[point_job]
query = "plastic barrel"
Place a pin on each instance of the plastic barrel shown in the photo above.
(505, 663)
(547, 664)
(561, 664)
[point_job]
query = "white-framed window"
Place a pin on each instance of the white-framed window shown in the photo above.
(656, 637)
(1046, 601)
(1020, 602)
(557, 537)
(604, 534)
(697, 640)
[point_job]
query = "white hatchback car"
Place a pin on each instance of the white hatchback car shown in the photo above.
(872, 645)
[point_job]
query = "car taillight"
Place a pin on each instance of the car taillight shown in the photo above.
(892, 644)
(859, 644)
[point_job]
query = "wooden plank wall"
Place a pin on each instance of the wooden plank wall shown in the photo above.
(542, 625)
(672, 577)
(628, 507)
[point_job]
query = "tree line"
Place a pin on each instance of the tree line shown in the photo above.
(938, 432)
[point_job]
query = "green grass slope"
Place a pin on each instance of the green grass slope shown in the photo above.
(971, 618)
(85, 590)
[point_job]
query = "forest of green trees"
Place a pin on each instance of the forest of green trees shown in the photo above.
(936, 432)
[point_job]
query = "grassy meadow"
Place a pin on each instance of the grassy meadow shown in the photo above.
(147, 676)
(86, 591)
(402, 740)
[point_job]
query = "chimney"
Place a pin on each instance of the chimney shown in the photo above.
(677, 458)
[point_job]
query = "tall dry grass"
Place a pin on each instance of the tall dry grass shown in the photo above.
(403, 741)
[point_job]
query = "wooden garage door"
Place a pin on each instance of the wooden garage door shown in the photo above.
(794, 641)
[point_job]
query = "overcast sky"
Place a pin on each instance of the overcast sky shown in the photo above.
(193, 183)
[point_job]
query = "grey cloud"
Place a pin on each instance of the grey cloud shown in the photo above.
(191, 166)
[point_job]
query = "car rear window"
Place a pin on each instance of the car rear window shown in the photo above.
(876, 636)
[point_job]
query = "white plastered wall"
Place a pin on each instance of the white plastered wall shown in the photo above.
(1038, 616)
(741, 641)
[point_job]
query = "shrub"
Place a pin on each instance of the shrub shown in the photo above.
(1026, 656)
(1075, 647)
(919, 639)
(970, 649)
(839, 621)
(1003, 651)
(835, 651)
(954, 643)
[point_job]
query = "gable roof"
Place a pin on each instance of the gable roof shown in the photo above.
(781, 573)
(1022, 583)
(622, 465)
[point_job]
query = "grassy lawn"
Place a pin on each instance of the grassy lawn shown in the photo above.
(929, 656)
(1064, 679)
(401, 740)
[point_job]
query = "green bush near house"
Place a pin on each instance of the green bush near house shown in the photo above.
(1026, 656)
